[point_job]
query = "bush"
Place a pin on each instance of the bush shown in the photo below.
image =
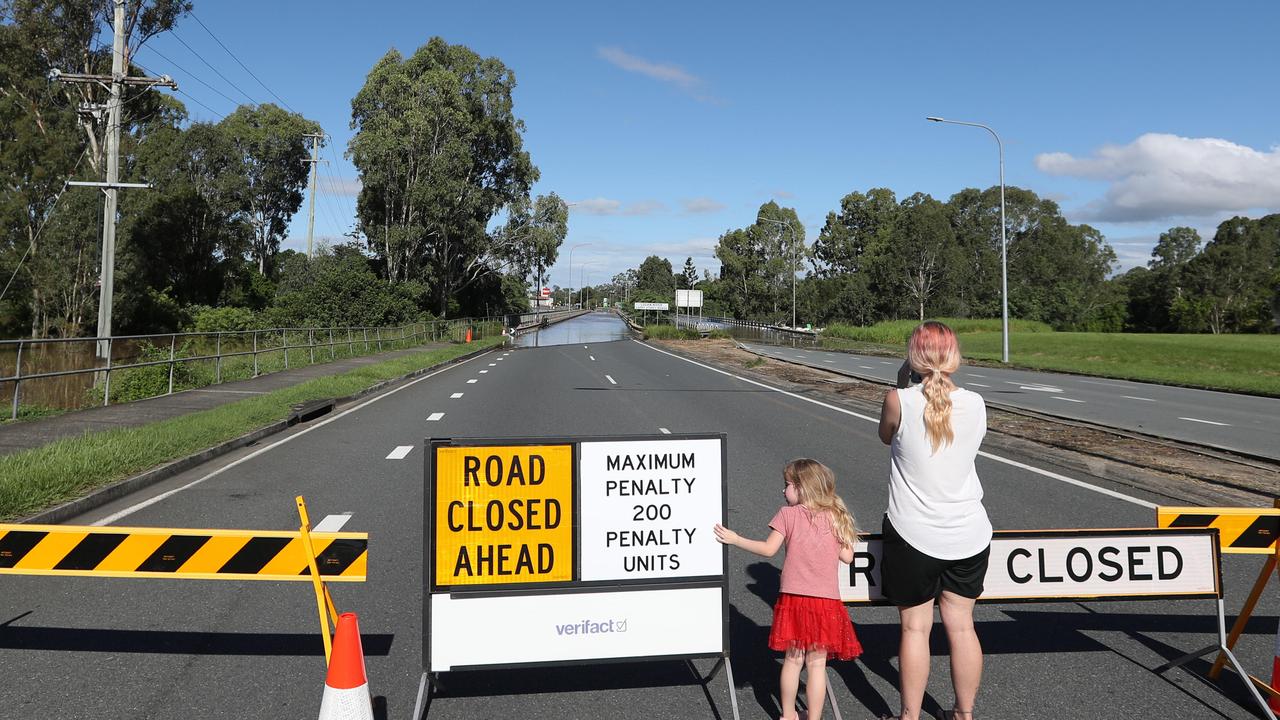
(670, 332)
(223, 319)
(152, 380)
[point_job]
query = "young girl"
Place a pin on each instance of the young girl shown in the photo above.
(809, 623)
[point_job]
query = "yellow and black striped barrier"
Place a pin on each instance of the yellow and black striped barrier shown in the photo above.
(180, 553)
(1242, 530)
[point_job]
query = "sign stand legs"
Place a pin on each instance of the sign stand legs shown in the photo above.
(723, 662)
(1224, 649)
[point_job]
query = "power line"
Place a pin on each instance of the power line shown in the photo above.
(246, 67)
(214, 69)
(192, 75)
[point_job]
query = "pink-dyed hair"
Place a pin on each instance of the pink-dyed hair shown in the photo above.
(934, 352)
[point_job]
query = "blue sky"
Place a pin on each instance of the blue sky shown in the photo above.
(669, 123)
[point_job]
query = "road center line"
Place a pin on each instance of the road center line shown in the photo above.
(455, 396)
(1067, 399)
(1206, 422)
(493, 364)
(484, 372)
(400, 452)
(332, 523)
(472, 381)
(162, 496)
(1133, 397)
(977, 384)
(433, 417)
(989, 456)
(665, 431)
(611, 380)
(593, 358)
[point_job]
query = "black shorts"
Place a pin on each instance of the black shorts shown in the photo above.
(908, 577)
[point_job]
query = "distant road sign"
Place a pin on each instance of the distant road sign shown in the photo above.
(652, 306)
(546, 292)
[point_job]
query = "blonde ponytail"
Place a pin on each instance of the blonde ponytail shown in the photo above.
(934, 352)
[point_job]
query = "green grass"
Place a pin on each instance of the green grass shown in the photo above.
(670, 332)
(33, 480)
(1238, 363)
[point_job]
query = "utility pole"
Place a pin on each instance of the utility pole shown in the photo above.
(315, 161)
(118, 79)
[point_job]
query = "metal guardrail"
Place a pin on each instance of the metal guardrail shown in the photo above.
(239, 343)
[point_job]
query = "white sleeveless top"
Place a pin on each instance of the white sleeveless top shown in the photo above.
(935, 499)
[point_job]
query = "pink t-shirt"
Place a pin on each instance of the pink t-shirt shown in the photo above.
(813, 552)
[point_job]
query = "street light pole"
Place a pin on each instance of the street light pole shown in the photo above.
(571, 249)
(790, 229)
(1004, 260)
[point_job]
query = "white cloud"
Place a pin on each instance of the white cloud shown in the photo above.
(1161, 176)
(349, 188)
(700, 205)
(671, 74)
(609, 206)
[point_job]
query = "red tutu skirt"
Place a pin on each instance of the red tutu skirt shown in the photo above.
(813, 623)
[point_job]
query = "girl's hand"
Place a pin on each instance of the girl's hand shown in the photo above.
(725, 535)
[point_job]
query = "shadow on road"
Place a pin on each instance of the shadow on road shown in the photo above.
(178, 642)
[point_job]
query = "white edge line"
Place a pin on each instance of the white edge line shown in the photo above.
(162, 496)
(1134, 397)
(997, 458)
(1206, 422)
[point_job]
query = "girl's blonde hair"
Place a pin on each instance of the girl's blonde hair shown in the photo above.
(934, 352)
(816, 486)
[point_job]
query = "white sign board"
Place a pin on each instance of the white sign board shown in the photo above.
(689, 298)
(1079, 564)
(520, 629)
(647, 507)
(652, 306)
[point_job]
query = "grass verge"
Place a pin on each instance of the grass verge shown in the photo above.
(670, 332)
(43, 477)
(1235, 363)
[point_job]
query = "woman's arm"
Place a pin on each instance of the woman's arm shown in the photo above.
(765, 548)
(890, 415)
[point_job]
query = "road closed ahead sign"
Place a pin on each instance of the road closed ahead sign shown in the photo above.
(503, 515)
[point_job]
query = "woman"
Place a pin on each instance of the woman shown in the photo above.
(936, 533)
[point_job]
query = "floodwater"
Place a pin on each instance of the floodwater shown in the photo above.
(595, 327)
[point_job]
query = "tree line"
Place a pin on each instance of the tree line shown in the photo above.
(880, 258)
(444, 226)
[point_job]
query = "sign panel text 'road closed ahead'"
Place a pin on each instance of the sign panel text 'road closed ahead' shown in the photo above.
(503, 515)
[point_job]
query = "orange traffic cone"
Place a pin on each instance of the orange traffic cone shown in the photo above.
(346, 688)
(468, 334)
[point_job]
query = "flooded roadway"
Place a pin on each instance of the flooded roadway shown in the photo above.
(595, 327)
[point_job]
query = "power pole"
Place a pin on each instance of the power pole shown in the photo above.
(118, 79)
(315, 161)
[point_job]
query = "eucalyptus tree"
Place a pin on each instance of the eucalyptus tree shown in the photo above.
(271, 151)
(440, 152)
(529, 242)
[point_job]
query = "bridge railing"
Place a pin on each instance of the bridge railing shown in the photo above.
(68, 374)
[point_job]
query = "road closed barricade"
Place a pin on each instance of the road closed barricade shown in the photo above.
(573, 550)
(191, 554)
(1083, 566)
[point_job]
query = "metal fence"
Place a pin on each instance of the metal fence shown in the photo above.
(198, 359)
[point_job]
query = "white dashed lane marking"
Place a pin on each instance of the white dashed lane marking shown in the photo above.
(433, 417)
(1132, 397)
(1058, 397)
(494, 364)
(978, 385)
(593, 358)
(332, 523)
(1206, 422)
(472, 381)
(400, 452)
(484, 372)
(455, 396)
(665, 431)
(611, 380)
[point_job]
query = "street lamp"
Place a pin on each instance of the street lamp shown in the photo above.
(1004, 262)
(582, 282)
(787, 225)
(571, 249)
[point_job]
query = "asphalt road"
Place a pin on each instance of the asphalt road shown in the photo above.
(1228, 421)
(202, 649)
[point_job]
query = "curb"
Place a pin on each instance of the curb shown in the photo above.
(109, 493)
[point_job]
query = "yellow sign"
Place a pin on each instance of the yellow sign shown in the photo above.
(503, 514)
